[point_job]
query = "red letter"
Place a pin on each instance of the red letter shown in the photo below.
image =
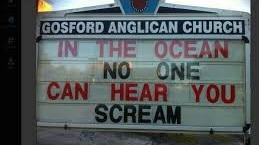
(68, 46)
(112, 49)
(67, 91)
(171, 49)
(216, 96)
(145, 93)
(188, 49)
(224, 51)
(83, 92)
(52, 84)
(205, 49)
(60, 48)
(72, 49)
(160, 89)
(157, 48)
(197, 92)
(120, 91)
(129, 91)
(101, 43)
(232, 94)
(127, 48)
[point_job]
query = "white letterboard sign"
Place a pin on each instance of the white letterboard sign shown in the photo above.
(144, 73)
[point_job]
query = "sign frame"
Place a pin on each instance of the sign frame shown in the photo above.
(67, 15)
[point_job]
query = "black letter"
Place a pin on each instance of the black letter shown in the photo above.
(107, 67)
(159, 114)
(189, 70)
(127, 72)
(98, 112)
(141, 114)
(174, 116)
(111, 113)
(127, 113)
(159, 69)
(175, 69)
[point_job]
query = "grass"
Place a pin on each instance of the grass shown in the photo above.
(188, 139)
(221, 138)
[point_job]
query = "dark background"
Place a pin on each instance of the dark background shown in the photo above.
(28, 82)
